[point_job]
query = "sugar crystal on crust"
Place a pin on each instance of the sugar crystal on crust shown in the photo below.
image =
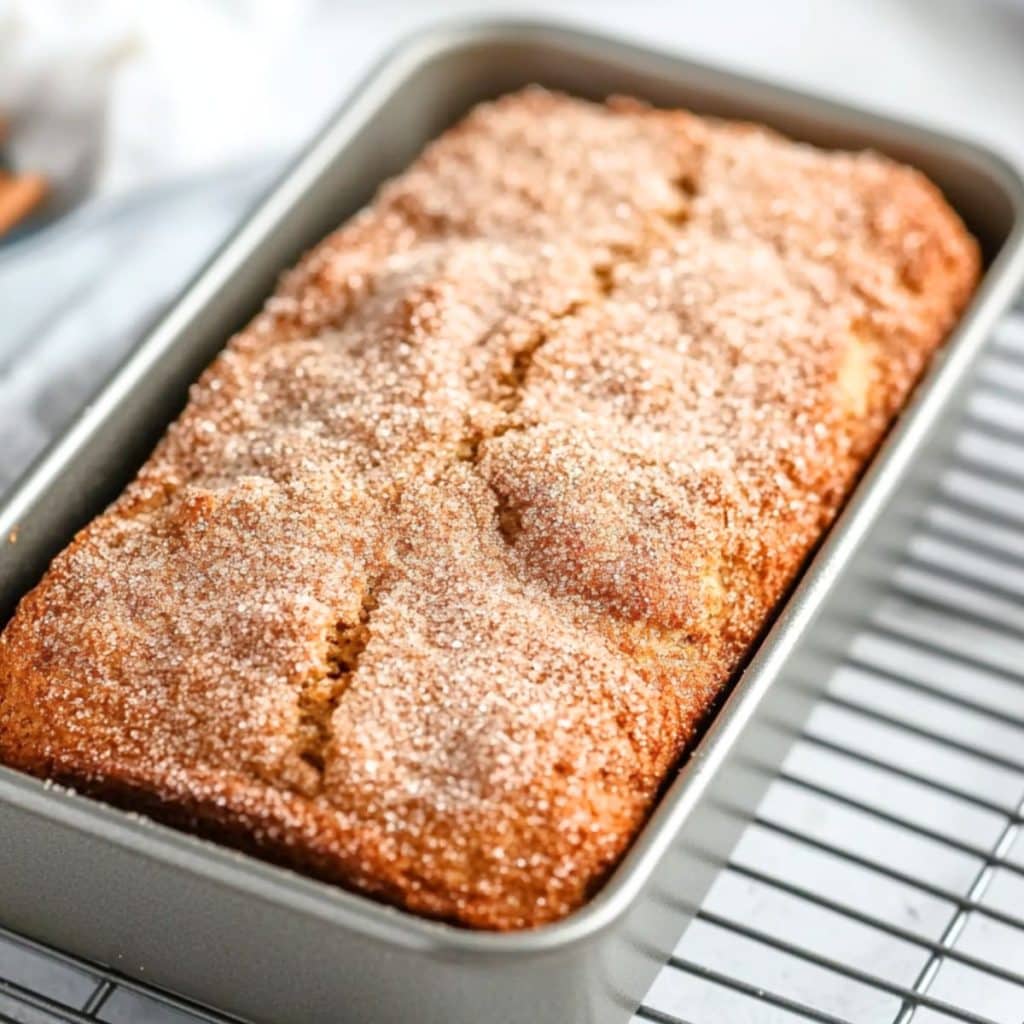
(455, 546)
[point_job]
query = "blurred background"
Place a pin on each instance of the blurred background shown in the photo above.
(156, 125)
(883, 879)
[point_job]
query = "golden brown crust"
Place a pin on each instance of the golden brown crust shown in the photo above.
(455, 545)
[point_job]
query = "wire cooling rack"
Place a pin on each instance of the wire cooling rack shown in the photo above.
(882, 877)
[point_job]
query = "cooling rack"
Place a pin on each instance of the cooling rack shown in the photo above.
(882, 877)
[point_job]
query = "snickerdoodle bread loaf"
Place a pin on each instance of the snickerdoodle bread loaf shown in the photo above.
(454, 547)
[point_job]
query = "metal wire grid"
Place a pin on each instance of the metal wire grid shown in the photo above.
(882, 878)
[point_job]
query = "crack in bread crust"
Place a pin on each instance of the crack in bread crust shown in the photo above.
(320, 695)
(454, 547)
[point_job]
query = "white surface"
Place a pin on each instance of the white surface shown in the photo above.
(182, 109)
(177, 86)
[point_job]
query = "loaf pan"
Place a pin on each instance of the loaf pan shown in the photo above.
(270, 946)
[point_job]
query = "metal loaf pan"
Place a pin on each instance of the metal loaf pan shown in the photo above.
(270, 946)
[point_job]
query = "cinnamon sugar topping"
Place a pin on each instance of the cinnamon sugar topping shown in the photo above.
(454, 547)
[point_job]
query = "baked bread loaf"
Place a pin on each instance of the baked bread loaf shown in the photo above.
(454, 547)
